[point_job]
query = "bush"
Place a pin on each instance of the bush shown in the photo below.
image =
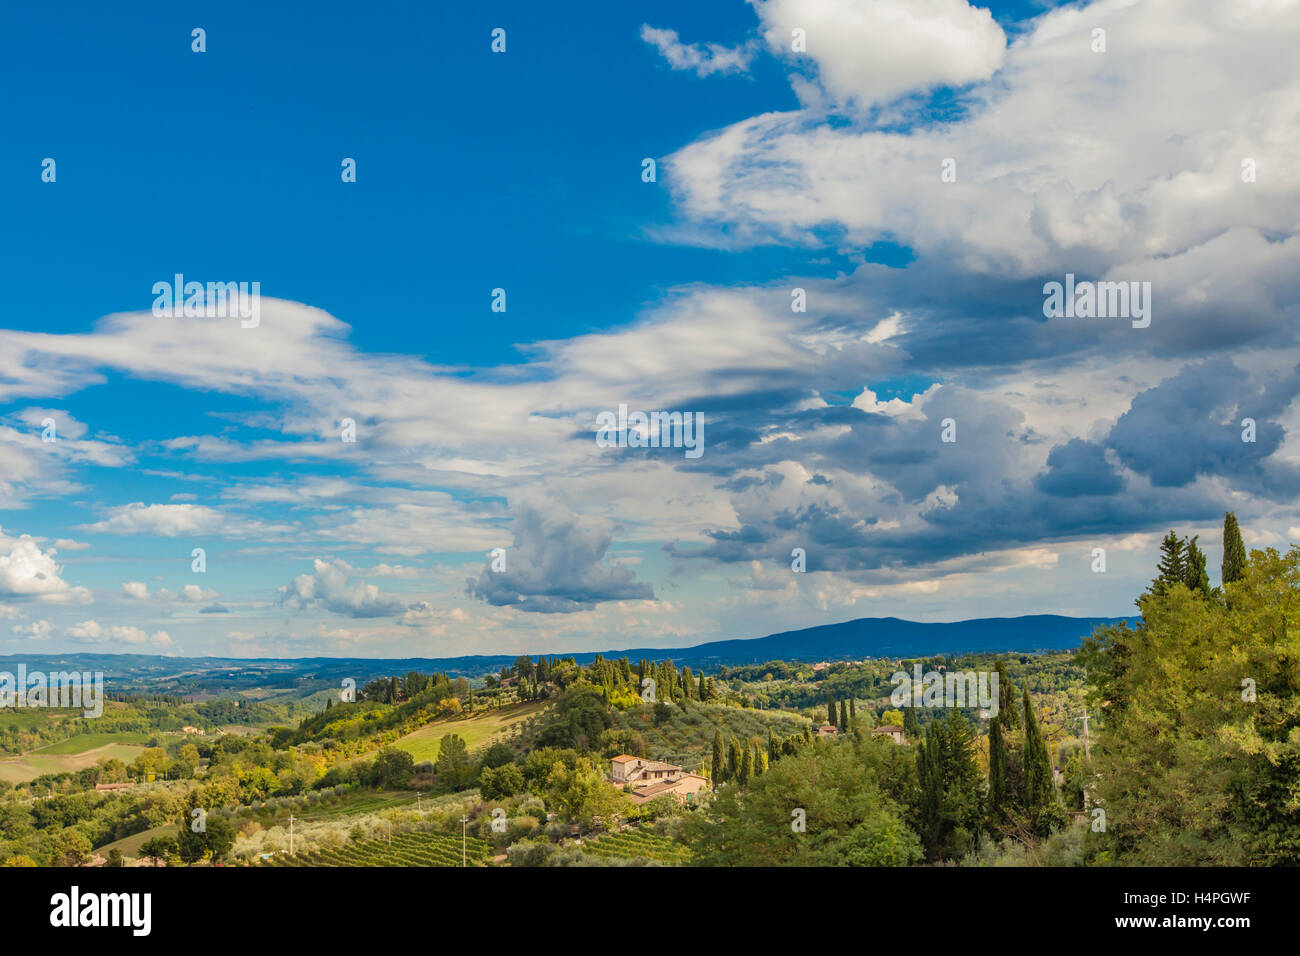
(529, 853)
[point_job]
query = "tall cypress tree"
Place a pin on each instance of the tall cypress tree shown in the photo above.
(1006, 698)
(719, 769)
(746, 767)
(733, 761)
(844, 717)
(773, 748)
(830, 708)
(853, 709)
(1234, 551)
(911, 726)
(1194, 573)
(1038, 766)
(704, 692)
(997, 772)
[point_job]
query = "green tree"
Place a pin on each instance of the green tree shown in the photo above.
(1172, 567)
(1039, 794)
(950, 811)
(998, 795)
(846, 817)
(1234, 551)
(392, 768)
(1194, 574)
(1197, 748)
(453, 768)
(719, 765)
(1006, 698)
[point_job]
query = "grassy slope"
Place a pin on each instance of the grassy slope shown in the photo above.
(33, 765)
(476, 731)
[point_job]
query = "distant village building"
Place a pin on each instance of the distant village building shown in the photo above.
(895, 733)
(654, 778)
(827, 730)
(190, 730)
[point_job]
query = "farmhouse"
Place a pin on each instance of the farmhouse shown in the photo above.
(895, 733)
(654, 778)
(827, 730)
(628, 769)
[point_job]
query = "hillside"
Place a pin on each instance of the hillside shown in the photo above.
(863, 637)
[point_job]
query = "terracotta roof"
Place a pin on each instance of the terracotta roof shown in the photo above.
(623, 758)
(887, 730)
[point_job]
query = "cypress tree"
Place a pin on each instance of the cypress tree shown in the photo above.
(718, 767)
(773, 748)
(911, 726)
(997, 773)
(746, 767)
(1038, 766)
(733, 761)
(1194, 574)
(844, 717)
(830, 708)
(853, 709)
(1234, 551)
(704, 694)
(1006, 698)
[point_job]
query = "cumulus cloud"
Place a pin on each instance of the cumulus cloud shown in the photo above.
(92, 632)
(331, 587)
(557, 565)
(28, 571)
(34, 630)
(871, 51)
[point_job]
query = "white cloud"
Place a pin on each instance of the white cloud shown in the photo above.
(34, 631)
(332, 588)
(870, 51)
(1067, 158)
(166, 520)
(26, 570)
(704, 59)
(92, 632)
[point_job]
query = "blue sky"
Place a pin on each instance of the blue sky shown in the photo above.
(817, 170)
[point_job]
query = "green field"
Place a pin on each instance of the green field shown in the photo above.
(33, 765)
(130, 846)
(83, 742)
(476, 731)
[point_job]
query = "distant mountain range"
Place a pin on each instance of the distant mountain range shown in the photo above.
(865, 637)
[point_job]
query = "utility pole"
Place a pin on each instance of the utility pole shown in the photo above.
(463, 821)
(291, 834)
